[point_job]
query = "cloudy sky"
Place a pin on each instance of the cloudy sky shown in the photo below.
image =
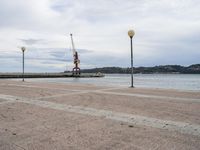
(167, 32)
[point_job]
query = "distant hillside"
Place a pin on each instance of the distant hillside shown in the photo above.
(193, 69)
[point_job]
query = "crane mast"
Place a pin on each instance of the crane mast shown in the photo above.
(76, 69)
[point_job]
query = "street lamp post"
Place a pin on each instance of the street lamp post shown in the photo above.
(23, 50)
(131, 33)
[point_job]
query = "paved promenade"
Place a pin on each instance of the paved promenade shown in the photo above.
(56, 116)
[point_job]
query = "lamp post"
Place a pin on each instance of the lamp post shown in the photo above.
(131, 33)
(23, 50)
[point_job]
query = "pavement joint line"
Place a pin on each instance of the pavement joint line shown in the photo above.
(150, 96)
(111, 88)
(75, 93)
(6, 102)
(65, 94)
(60, 95)
(31, 86)
(8, 99)
(181, 127)
(107, 92)
(123, 94)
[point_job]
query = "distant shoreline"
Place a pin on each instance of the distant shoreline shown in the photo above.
(167, 69)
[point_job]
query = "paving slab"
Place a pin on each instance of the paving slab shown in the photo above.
(160, 92)
(1, 100)
(162, 109)
(29, 92)
(31, 127)
(52, 85)
(47, 116)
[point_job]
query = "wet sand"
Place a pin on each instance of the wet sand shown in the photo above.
(60, 116)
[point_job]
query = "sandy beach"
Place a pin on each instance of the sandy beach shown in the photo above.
(45, 116)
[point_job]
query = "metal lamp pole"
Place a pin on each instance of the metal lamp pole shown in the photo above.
(131, 33)
(23, 50)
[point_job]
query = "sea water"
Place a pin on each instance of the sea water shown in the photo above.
(167, 81)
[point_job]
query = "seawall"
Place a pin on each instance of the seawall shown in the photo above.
(50, 75)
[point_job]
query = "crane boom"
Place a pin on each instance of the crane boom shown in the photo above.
(73, 47)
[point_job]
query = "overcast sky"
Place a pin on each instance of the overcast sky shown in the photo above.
(167, 32)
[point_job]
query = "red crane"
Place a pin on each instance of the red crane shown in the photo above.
(76, 70)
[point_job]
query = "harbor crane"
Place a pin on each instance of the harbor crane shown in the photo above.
(76, 70)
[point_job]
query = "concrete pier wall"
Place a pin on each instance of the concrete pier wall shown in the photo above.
(49, 75)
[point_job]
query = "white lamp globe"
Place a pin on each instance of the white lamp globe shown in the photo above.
(131, 33)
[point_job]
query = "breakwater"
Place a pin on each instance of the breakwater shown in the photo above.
(50, 75)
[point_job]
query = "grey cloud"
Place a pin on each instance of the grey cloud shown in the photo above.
(31, 41)
(43, 56)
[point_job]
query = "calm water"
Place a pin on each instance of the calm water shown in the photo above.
(167, 81)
